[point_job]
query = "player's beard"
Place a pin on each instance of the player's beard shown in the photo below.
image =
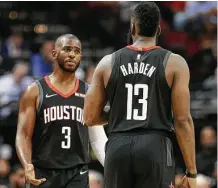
(67, 69)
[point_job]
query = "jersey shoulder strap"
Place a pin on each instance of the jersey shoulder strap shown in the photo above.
(40, 84)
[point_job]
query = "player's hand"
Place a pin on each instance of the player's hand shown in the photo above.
(188, 182)
(30, 176)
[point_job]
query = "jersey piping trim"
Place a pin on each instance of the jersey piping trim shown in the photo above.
(40, 96)
(58, 91)
(142, 49)
(165, 61)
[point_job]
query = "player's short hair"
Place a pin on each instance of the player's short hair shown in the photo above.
(147, 16)
(68, 36)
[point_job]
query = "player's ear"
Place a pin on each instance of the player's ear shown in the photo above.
(158, 30)
(133, 27)
(80, 58)
(54, 54)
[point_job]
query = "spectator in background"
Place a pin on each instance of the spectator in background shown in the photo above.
(211, 82)
(194, 12)
(12, 85)
(17, 177)
(4, 172)
(41, 63)
(207, 157)
(5, 152)
(96, 179)
(12, 47)
(204, 62)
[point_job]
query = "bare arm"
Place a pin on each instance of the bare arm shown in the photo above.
(95, 99)
(184, 127)
(26, 123)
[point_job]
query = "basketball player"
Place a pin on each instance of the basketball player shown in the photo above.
(142, 82)
(52, 140)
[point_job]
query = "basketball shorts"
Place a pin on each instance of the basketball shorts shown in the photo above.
(139, 161)
(63, 178)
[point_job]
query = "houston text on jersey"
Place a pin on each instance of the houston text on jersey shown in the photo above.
(63, 113)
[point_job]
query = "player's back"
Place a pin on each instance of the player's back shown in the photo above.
(139, 95)
(60, 139)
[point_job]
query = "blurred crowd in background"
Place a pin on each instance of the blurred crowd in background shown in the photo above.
(27, 35)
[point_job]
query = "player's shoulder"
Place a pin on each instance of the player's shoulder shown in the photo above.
(176, 57)
(38, 83)
(121, 49)
(109, 58)
(177, 64)
(31, 92)
(120, 52)
(83, 84)
(34, 86)
(106, 63)
(40, 80)
(177, 60)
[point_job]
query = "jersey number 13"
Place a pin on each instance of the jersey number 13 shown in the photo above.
(137, 114)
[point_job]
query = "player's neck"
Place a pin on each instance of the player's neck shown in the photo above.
(144, 42)
(63, 76)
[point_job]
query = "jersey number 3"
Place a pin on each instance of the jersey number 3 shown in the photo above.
(135, 113)
(67, 135)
